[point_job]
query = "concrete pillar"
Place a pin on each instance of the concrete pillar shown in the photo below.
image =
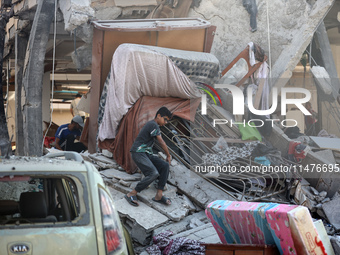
(20, 52)
(33, 77)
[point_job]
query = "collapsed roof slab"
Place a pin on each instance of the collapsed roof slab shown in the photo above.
(284, 29)
(76, 12)
(291, 55)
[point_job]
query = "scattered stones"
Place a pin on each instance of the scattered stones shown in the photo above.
(323, 194)
(314, 191)
(327, 199)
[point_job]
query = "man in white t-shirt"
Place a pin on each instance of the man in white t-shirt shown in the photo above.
(74, 109)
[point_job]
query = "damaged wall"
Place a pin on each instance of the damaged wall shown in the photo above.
(279, 30)
(285, 41)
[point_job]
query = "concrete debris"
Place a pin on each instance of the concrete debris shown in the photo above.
(138, 220)
(311, 198)
(100, 161)
(196, 188)
(108, 13)
(331, 210)
(102, 158)
(75, 13)
(124, 3)
(322, 79)
(113, 173)
(116, 195)
(176, 211)
(183, 225)
(107, 153)
(191, 193)
(82, 56)
(327, 154)
(335, 241)
(124, 183)
(205, 233)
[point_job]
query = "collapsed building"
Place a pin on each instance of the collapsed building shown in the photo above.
(194, 142)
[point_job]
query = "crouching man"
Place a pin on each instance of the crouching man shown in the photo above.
(151, 166)
(67, 133)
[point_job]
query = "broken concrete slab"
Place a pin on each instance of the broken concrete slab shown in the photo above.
(331, 210)
(176, 211)
(114, 173)
(82, 57)
(76, 13)
(116, 195)
(322, 79)
(189, 204)
(183, 225)
(108, 12)
(102, 158)
(327, 154)
(124, 3)
(206, 231)
(124, 183)
(195, 187)
(140, 218)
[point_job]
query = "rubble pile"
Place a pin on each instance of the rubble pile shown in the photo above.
(190, 195)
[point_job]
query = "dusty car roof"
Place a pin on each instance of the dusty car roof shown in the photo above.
(16, 163)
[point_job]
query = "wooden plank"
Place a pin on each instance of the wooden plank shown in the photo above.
(240, 252)
(217, 252)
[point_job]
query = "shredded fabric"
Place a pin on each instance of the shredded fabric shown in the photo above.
(179, 246)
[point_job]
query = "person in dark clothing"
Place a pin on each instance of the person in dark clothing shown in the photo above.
(310, 120)
(251, 8)
(67, 133)
(151, 166)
